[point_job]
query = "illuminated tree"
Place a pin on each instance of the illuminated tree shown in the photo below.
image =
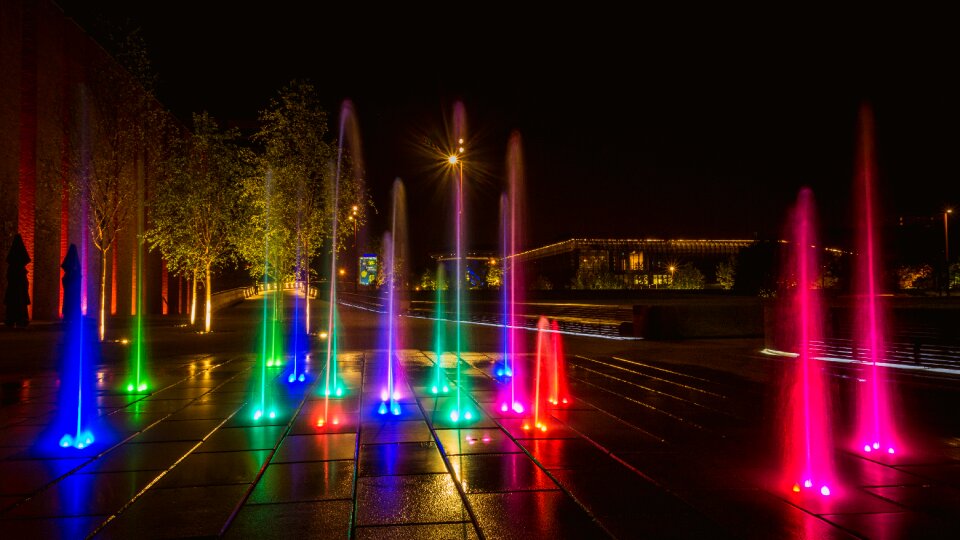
(726, 273)
(123, 139)
(292, 201)
(687, 276)
(199, 203)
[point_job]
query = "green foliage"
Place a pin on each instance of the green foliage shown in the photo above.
(199, 202)
(292, 199)
(541, 284)
(726, 273)
(915, 277)
(495, 276)
(687, 276)
(593, 278)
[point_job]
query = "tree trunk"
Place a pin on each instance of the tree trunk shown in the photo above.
(306, 289)
(193, 299)
(209, 306)
(103, 294)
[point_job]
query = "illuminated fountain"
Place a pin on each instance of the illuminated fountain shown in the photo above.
(511, 229)
(438, 379)
(77, 399)
(542, 361)
(394, 261)
(876, 432)
(269, 331)
(455, 159)
(807, 442)
(349, 134)
(139, 384)
(558, 391)
(298, 331)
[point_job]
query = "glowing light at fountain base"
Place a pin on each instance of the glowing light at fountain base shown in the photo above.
(142, 388)
(260, 414)
(78, 441)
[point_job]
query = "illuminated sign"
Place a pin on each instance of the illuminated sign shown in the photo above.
(368, 270)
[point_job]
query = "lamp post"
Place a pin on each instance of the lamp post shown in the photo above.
(455, 160)
(356, 249)
(946, 245)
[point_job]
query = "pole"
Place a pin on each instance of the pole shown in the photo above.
(356, 258)
(946, 247)
(459, 275)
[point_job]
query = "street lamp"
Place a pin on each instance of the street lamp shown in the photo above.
(356, 249)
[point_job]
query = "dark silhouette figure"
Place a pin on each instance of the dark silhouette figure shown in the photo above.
(71, 285)
(17, 296)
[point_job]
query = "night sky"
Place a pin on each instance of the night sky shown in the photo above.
(651, 126)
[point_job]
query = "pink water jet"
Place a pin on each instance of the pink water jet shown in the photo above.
(807, 441)
(512, 202)
(876, 431)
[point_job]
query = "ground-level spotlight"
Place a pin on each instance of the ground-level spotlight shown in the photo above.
(825, 491)
(807, 484)
(82, 440)
(517, 407)
(433, 389)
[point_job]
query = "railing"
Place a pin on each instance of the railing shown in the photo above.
(229, 297)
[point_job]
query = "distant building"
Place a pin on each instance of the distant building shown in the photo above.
(623, 262)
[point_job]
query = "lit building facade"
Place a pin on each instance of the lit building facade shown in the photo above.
(46, 109)
(623, 263)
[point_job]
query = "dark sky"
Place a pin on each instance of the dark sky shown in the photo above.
(689, 125)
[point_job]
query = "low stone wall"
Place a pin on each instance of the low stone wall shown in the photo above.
(230, 297)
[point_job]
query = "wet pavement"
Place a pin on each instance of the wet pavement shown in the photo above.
(659, 440)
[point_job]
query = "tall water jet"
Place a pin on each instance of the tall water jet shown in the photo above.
(807, 442)
(875, 427)
(138, 382)
(263, 406)
(394, 243)
(349, 134)
(77, 400)
(438, 379)
(511, 235)
(456, 160)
